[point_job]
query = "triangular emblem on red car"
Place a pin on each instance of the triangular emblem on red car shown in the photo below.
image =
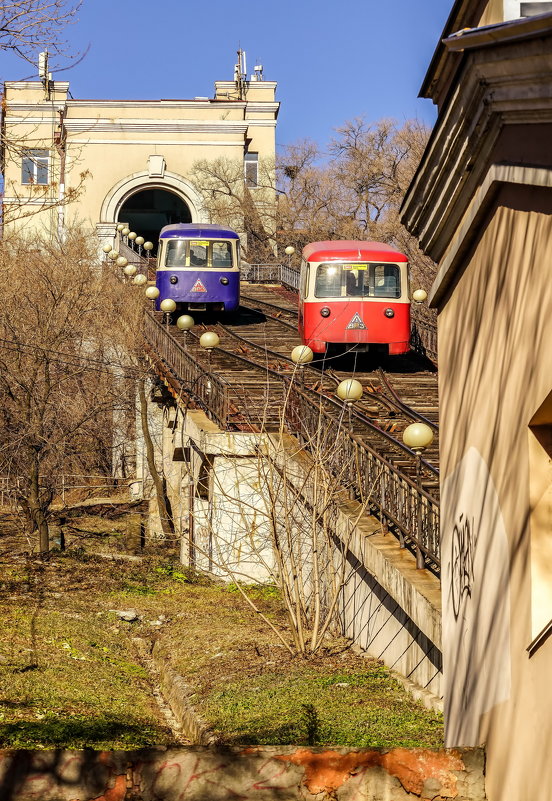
(356, 324)
(198, 286)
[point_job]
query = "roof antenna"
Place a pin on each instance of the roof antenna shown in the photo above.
(43, 74)
(240, 74)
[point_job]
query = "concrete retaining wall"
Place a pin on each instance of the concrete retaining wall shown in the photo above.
(388, 608)
(267, 773)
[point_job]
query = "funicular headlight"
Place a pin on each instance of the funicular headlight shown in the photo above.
(173, 279)
(389, 313)
(324, 311)
(223, 280)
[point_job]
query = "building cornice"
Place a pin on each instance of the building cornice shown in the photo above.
(226, 127)
(499, 86)
(58, 86)
(497, 176)
(156, 104)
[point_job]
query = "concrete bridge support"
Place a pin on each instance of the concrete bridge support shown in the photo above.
(232, 494)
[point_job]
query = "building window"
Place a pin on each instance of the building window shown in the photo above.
(531, 9)
(514, 9)
(252, 170)
(34, 167)
(203, 480)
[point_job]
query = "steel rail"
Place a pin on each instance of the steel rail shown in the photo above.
(271, 306)
(394, 403)
(356, 414)
(404, 506)
(404, 406)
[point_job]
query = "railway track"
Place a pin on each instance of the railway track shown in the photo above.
(406, 393)
(252, 359)
(249, 383)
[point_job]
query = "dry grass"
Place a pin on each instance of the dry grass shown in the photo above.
(70, 675)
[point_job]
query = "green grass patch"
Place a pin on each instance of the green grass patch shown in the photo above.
(306, 707)
(69, 675)
(73, 681)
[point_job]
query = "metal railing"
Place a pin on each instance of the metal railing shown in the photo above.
(400, 503)
(423, 337)
(210, 390)
(12, 487)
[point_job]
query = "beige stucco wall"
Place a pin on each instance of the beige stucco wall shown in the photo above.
(495, 356)
(110, 142)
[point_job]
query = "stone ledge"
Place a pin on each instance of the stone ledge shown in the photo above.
(270, 773)
(177, 694)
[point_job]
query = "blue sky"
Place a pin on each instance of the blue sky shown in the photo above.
(332, 61)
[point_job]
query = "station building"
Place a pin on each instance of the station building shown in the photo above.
(126, 160)
(481, 207)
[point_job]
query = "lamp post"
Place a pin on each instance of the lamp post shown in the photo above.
(107, 248)
(129, 270)
(139, 241)
(209, 340)
(148, 247)
(419, 295)
(417, 437)
(350, 391)
(184, 323)
(152, 293)
(167, 306)
(302, 355)
(139, 279)
(289, 251)
(122, 261)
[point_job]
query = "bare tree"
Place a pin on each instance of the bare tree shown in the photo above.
(273, 518)
(373, 165)
(27, 26)
(356, 193)
(58, 321)
(230, 201)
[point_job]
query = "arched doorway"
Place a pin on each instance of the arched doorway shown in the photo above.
(148, 210)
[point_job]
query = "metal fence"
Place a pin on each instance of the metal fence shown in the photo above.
(423, 337)
(12, 487)
(400, 503)
(209, 389)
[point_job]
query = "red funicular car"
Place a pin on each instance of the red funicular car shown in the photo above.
(354, 295)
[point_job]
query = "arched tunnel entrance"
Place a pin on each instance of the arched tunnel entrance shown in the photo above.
(148, 210)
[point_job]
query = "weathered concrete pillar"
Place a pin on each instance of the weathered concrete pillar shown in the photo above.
(227, 532)
(106, 233)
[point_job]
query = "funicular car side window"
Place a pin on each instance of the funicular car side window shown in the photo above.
(386, 280)
(176, 253)
(328, 281)
(222, 254)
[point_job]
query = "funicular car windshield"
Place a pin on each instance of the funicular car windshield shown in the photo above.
(198, 253)
(355, 280)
